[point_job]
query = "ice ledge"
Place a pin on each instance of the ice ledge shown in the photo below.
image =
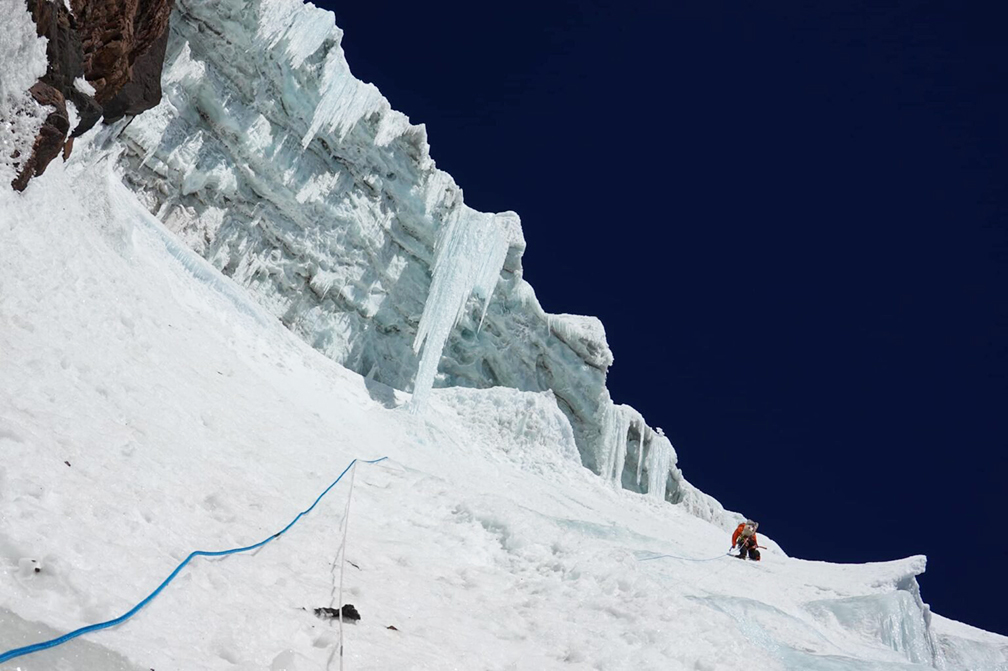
(891, 613)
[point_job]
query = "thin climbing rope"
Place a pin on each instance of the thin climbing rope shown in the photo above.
(346, 527)
(726, 554)
(45, 645)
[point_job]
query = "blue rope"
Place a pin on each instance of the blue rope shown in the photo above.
(44, 645)
(726, 554)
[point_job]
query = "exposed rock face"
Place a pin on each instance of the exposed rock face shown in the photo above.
(303, 185)
(143, 90)
(116, 45)
(63, 51)
(66, 58)
(123, 43)
(51, 137)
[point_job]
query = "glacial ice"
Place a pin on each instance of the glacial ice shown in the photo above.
(966, 647)
(300, 183)
(893, 618)
(469, 257)
(526, 428)
(660, 459)
(616, 430)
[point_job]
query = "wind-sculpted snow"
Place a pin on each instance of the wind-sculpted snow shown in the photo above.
(289, 175)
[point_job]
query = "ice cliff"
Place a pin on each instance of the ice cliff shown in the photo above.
(302, 184)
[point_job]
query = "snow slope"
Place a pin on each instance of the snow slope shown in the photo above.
(149, 406)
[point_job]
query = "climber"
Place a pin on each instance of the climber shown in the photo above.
(745, 539)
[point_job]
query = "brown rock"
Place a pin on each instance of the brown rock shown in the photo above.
(123, 43)
(51, 137)
(66, 58)
(116, 45)
(143, 90)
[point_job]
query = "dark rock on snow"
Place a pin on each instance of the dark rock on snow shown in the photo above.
(118, 46)
(350, 613)
(50, 138)
(124, 46)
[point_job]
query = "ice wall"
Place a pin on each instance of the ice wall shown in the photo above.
(896, 617)
(301, 183)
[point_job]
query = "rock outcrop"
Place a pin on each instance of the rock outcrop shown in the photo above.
(123, 46)
(51, 136)
(105, 58)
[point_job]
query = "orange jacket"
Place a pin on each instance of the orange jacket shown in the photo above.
(738, 532)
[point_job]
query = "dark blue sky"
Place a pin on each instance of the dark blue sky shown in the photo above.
(793, 224)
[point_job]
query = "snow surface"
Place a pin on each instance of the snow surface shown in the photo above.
(22, 52)
(84, 86)
(150, 406)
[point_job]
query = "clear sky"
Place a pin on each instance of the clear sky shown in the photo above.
(793, 225)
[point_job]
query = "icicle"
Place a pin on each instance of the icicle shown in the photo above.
(468, 260)
(615, 432)
(659, 464)
(344, 100)
(640, 452)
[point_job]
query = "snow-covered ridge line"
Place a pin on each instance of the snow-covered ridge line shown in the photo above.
(301, 183)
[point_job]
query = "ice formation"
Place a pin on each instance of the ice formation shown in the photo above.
(469, 257)
(304, 186)
(660, 460)
(616, 432)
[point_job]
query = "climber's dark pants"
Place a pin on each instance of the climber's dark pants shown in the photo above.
(749, 547)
